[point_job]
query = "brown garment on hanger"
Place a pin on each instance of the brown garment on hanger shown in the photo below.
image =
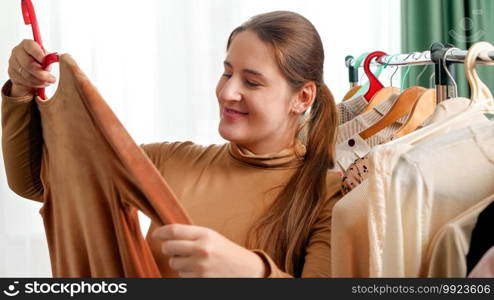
(222, 187)
(94, 177)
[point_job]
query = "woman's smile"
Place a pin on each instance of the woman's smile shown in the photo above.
(233, 113)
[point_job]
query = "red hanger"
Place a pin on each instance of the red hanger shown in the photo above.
(374, 83)
(30, 19)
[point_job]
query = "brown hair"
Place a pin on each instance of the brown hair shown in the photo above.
(283, 231)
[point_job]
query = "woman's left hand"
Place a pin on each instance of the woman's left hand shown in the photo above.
(201, 252)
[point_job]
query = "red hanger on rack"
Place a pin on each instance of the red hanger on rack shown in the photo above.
(374, 83)
(30, 19)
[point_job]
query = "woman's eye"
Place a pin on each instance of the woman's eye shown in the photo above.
(251, 83)
(248, 82)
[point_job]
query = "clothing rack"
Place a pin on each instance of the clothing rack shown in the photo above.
(437, 54)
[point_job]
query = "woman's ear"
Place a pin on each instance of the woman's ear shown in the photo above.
(304, 98)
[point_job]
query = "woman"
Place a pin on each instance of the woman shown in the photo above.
(262, 203)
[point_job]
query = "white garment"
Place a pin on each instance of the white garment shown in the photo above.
(371, 196)
(349, 151)
(432, 182)
(349, 234)
(447, 252)
(448, 108)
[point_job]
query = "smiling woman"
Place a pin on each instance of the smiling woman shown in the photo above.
(282, 191)
(262, 202)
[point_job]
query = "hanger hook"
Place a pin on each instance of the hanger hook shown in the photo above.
(420, 74)
(447, 71)
(361, 77)
(390, 58)
(394, 73)
(431, 80)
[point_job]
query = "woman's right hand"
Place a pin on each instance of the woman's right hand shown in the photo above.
(25, 70)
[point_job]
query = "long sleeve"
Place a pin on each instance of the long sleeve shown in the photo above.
(22, 143)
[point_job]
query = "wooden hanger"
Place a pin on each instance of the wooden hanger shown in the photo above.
(402, 107)
(381, 96)
(423, 109)
(351, 93)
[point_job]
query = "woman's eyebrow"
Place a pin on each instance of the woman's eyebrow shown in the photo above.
(250, 71)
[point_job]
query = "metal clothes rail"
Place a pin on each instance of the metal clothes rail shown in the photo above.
(442, 56)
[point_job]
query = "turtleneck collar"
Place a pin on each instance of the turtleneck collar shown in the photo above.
(288, 158)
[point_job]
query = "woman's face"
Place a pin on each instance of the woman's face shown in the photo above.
(256, 102)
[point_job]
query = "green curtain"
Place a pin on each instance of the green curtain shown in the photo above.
(461, 23)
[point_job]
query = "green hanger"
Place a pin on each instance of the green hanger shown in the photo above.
(404, 78)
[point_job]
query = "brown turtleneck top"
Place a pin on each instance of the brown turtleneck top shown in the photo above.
(222, 187)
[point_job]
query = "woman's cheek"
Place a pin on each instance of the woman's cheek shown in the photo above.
(260, 123)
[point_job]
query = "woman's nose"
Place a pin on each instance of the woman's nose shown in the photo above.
(230, 91)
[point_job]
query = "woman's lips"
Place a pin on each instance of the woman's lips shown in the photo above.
(232, 113)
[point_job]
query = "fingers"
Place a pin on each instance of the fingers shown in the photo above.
(25, 68)
(180, 232)
(34, 50)
(21, 76)
(32, 67)
(182, 264)
(178, 248)
(190, 248)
